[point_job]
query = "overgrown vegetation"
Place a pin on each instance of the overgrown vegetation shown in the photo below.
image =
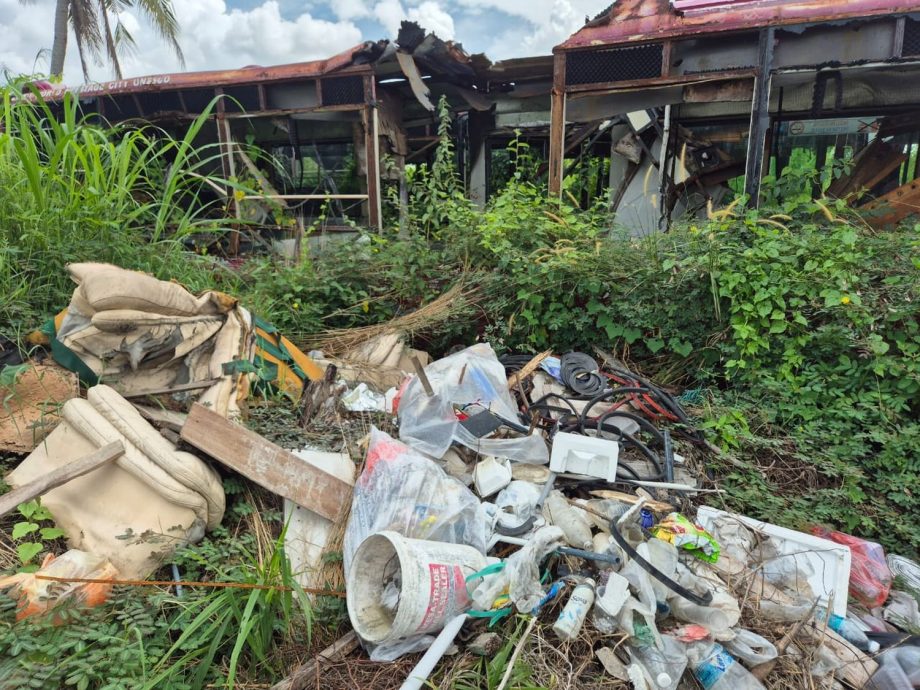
(796, 323)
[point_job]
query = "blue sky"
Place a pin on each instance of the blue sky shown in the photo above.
(223, 34)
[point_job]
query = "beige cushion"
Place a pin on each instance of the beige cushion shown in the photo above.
(137, 510)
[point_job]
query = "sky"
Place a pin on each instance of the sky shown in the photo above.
(226, 34)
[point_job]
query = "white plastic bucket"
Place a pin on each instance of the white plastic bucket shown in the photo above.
(432, 585)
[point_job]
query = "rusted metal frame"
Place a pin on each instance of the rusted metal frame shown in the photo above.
(278, 112)
(664, 178)
(898, 48)
(622, 30)
(557, 127)
(432, 142)
(319, 91)
(227, 165)
(263, 98)
(372, 154)
(676, 80)
(666, 49)
(760, 116)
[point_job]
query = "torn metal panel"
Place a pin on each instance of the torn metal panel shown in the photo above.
(632, 21)
(419, 89)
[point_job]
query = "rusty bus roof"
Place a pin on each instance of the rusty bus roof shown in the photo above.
(355, 59)
(633, 21)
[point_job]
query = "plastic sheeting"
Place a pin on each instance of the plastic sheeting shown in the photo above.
(472, 379)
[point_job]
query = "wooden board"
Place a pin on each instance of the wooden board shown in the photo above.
(265, 463)
(30, 406)
(893, 207)
(871, 165)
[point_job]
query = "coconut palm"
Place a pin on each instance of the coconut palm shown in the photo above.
(100, 33)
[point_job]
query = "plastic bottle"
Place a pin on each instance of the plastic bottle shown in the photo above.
(716, 669)
(576, 609)
(564, 516)
(713, 619)
(847, 630)
(663, 666)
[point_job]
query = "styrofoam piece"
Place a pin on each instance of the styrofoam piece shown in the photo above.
(490, 476)
(830, 561)
(586, 455)
(307, 532)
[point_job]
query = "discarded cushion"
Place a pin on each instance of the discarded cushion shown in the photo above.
(136, 511)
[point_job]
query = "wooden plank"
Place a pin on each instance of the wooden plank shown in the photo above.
(337, 651)
(893, 207)
(162, 418)
(527, 369)
(265, 463)
(179, 388)
(60, 476)
(871, 165)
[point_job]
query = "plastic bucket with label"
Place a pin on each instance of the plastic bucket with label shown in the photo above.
(399, 587)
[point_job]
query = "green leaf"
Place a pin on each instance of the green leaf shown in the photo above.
(28, 508)
(631, 335)
(49, 533)
(681, 347)
(28, 550)
(21, 529)
(654, 344)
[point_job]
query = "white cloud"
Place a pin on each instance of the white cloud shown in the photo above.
(432, 17)
(213, 37)
(217, 36)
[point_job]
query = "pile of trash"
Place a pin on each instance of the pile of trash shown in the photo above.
(562, 489)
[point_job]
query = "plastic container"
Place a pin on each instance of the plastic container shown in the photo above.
(576, 609)
(400, 587)
(491, 476)
(586, 455)
(564, 516)
(663, 556)
(848, 630)
(665, 666)
(716, 669)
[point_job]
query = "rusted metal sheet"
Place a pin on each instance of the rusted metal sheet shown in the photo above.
(634, 21)
(214, 78)
(419, 88)
(731, 91)
(871, 165)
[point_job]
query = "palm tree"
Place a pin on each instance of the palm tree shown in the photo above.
(91, 21)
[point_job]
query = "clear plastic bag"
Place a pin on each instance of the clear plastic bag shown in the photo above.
(870, 577)
(750, 648)
(39, 596)
(402, 491)
(473, 377)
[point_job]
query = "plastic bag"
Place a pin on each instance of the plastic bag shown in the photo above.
(402, 491)
(751, 648)
(870, 578)
(38, 596)
(472, 378)
(686, 535)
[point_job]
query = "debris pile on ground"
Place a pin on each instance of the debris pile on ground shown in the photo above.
(546, 502)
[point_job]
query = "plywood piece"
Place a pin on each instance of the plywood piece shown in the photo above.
(29, 406)
(871, 165)
(265, 463)
(893, 207)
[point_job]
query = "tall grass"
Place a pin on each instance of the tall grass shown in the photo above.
(72, 189)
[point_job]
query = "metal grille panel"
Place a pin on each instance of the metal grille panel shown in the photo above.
(911, 37)
(343, 90)
(613, 65)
